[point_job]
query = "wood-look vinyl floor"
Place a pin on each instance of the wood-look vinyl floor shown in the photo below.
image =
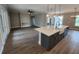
(25, 41)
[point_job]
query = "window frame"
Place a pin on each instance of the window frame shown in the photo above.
(77, 16)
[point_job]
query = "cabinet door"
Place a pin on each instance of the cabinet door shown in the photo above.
(45, 41)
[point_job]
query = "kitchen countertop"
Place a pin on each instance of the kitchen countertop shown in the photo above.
(50, 30)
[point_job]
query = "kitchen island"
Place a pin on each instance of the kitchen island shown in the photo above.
(49, 36)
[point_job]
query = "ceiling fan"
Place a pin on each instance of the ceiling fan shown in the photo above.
(30, 12)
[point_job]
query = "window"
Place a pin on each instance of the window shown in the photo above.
(77, 20)
(58, 21)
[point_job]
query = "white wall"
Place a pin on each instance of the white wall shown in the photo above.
(6, 26)
(19, 19)
(14, 19)
(40, 20)
(25, 20)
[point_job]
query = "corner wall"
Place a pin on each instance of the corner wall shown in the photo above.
(40, 20)
(5, 29)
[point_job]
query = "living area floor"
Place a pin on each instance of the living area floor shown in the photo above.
(25, 41)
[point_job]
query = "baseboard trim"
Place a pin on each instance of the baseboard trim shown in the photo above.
(74, 29)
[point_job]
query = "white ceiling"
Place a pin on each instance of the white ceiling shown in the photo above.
(43, 7)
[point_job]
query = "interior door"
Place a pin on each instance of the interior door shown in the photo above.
(32, 20)
(25, 20)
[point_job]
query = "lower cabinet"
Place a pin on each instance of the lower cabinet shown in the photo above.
(49, 41)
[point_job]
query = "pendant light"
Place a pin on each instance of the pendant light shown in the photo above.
(55, 9)
(49, 10)
(47, 15)
(75, 11)
(60, 9)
